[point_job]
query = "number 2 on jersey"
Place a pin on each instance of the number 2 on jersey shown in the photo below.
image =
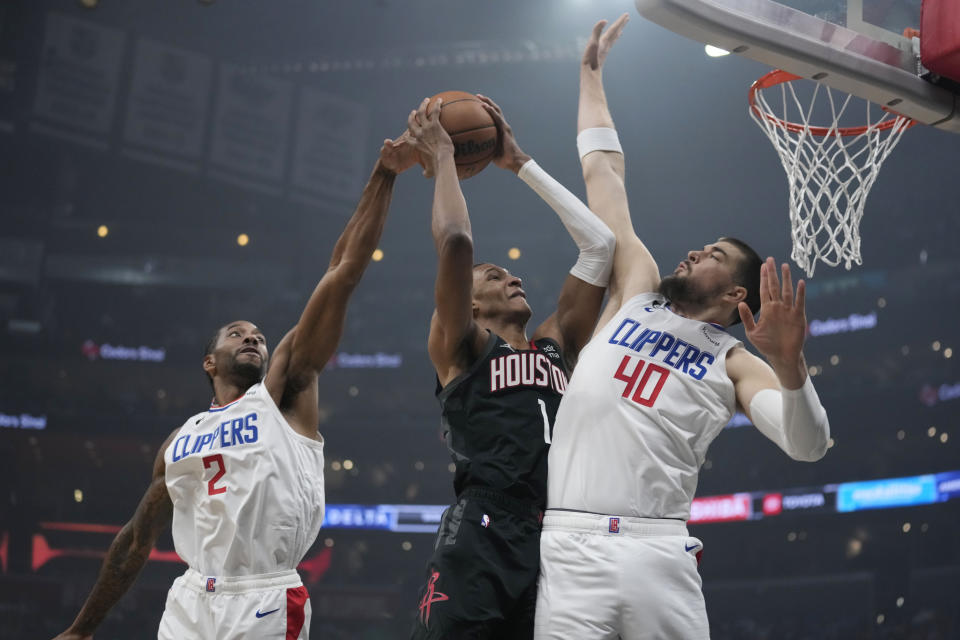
(221, 470)
(640, 395)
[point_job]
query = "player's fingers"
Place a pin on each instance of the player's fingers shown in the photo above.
(597, 30)
(617, 28)
(801, 296)
(434, 111)
(412, 125)
(422, 112)
(501, 126)
(763, 283)
(495, 114)
(787, 289)
(489, 101)
(773, 282)
(746, 317)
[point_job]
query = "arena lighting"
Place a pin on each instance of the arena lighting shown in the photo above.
(89, 4)
(715, 52)
(513, 253)
(102, 231)
(377, 255)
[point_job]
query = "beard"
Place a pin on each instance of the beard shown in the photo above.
(682, 292)
(246, 374)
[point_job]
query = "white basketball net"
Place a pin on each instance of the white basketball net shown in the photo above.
(829, 169)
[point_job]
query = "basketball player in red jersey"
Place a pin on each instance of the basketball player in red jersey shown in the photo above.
(499, 392)
(242, 483)
(658, 381)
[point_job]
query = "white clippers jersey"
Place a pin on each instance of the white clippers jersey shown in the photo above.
(247, 490)
(648, 395)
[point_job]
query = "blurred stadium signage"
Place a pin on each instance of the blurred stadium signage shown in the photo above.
(354, 516)
(423, 518)
(893, 492)
(721, 508)
(948, 485)
(930, 395)
(106, 351)
(853, 322)
(367, 360)
(806, 501)
(22, 421)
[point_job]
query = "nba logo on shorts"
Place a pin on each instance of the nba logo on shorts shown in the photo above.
(211, 585)
(614, 525)
(485, 521)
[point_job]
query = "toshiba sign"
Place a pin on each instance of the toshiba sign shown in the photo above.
(721, 508)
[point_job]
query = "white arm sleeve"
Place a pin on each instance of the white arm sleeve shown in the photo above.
(595, 239)
(794, 419)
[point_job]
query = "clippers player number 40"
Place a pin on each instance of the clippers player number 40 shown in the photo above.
(649, 370)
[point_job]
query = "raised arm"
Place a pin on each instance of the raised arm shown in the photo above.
(302, 354)
(454, 336)
(128, 552)
(582, 295)
(779, 398)
(634, 269)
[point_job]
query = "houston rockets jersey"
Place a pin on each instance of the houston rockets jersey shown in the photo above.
(649, 394)
(498, 415)
(247, 490)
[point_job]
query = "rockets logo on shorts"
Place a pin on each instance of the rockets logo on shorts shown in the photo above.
(614, 525)
(211, 585)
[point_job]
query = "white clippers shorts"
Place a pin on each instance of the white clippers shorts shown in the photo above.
(272, 606)
(608, 577)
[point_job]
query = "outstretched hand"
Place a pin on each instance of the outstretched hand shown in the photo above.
(400, 154)
(508, 154)
(782, 328)
(600, 42)
(429, 137)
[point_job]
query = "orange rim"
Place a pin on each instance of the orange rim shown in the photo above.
(778, 76)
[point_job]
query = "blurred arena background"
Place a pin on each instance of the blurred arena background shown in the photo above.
(166, 167)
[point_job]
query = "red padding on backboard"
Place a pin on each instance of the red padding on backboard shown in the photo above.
(940, 37)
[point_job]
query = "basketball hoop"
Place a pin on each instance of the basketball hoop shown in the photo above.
(829, 169)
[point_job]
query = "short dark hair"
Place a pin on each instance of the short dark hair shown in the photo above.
(747, 275)
(210, 348)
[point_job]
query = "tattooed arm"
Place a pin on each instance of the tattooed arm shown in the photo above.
(128, 552)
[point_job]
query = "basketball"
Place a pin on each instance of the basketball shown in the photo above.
(471, 128)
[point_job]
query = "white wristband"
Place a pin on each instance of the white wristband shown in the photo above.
(794, 419)
(594, 238)
(598, 139)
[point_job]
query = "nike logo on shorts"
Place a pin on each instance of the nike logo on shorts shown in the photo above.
(266, 613)
(691, 547)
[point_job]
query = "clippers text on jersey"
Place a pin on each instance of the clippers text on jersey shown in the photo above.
(227, 434)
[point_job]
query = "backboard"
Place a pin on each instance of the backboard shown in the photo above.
(856, 46)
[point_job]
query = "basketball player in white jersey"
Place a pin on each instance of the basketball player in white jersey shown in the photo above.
(658, 381)
(243, 481)
(499, 392)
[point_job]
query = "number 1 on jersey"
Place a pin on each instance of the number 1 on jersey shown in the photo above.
(221, 470)
(546, 420)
